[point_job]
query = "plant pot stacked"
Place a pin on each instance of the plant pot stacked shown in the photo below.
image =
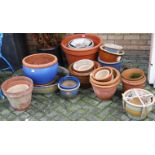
(41, 68)
(82, 70)
(111, 55)
(18, 90)
(138, 103)
(81, 46)
(133, 78)
(69, 86)
(104, 81)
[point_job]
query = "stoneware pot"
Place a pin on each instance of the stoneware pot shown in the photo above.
(75, 54)
(113, 48)
(104, 92)
(83, 77)
(133, 74)
(102, 74)
(115, 79)
(108, 56)
(41, 68)
(18, 91)
(138, 106)
(69, 92)
(117, 65)
(133, 84)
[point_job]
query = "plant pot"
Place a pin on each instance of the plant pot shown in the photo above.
(133, 84)
(129, 74)
(117, 65)
(108, 56)
(83, 77)
(116, 78)
(41, 68)
(18, 90)
(113, 48)
(75, 54)
(102, 74)
(138, 103)
(67, 91)
(104, 92)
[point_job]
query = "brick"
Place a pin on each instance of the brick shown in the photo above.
(115, 36)
(123, 42)
(131, 36)
(146, 36)
(139, 42)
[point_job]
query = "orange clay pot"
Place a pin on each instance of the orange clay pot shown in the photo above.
(133, 84)
(73, 54)
(105, 92)
(108, 56)
(115, 79)
(83, 77)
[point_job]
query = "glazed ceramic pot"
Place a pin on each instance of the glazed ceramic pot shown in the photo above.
(105, 92)
(75, 54)
(41, 68)
(113, 48)
(83, 77)
(115, 74)
(52, 87)
(133, 84)
(117, 65)
(18, 91)
(138, 103)
(69, 86)
(133, 74)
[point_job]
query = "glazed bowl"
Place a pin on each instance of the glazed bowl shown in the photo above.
(117, 65)
(41, 68)
(113, 48)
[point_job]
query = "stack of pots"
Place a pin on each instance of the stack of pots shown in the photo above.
(111, 55)
(82, 70)
(133, 78)
(81, 46)
(104, 81)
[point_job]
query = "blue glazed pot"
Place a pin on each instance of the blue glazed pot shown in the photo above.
(117, 65)
(42, 73)
(69, 92)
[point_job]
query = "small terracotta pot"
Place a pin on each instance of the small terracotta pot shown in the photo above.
(19, 100)
(74, 54)
(107, 56)
(102, 79)
(83, 77)
(105, 92)
(133, 84)
(115, 79)
(127, 74)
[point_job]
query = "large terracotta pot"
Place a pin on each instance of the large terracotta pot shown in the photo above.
(83, 77)
(74, 54)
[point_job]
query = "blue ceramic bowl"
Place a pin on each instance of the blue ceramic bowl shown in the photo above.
(69, 92)
(43, 73)
(117, 65)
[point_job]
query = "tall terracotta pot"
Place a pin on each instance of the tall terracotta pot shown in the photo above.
(73, 54)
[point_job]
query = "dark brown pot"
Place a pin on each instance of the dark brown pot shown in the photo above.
(73, 55)
(133, 84)
(83, 77)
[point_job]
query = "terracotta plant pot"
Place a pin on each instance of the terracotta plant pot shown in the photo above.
(105, 92)
(41, 68)
(18, 90)
(116, 78)
(83, 77)
(133, 84)
(138, 103)
(133, 74)
(107, 56)
(75, 54)
(103, 74)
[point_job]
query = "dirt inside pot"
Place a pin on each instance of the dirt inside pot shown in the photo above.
(135, 76)
(17, 88)
(69, 83)
(135, 100)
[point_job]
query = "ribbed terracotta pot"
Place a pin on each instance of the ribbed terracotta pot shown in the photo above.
(74, 54)
(133, 84)
(83, 77)
(19, 98)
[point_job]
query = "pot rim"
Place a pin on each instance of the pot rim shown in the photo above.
(87, 35)
(60, 88)
(109, 63)
(41, 65)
